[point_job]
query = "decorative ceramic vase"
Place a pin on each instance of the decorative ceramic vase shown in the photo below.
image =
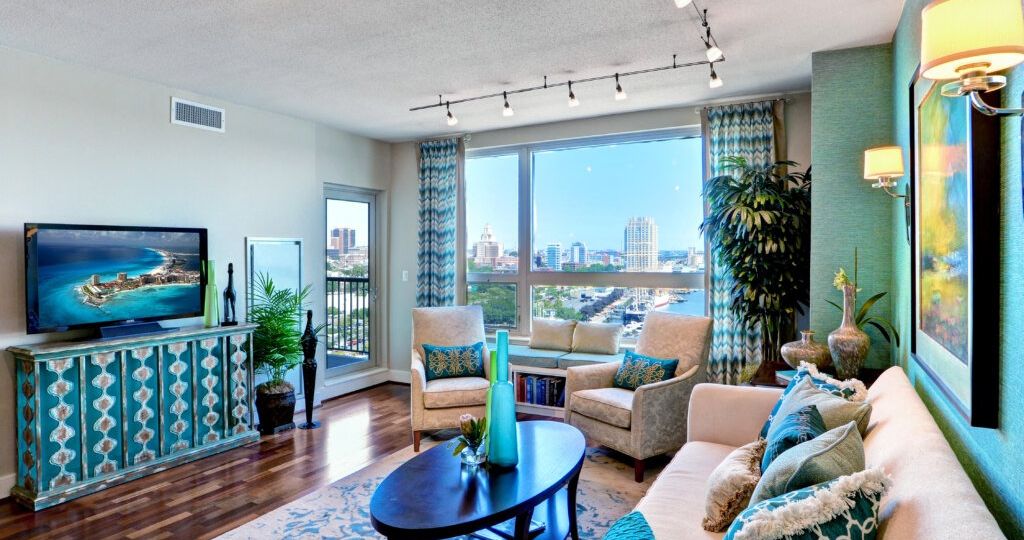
(309, 342)
(503, 450)
(848, 344)
(806, 350)
(211, 306)
(473, 456)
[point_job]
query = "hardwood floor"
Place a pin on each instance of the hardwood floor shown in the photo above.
(211, 496)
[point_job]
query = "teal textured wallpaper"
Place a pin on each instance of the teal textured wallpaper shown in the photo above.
(994, 458)
(851, 110)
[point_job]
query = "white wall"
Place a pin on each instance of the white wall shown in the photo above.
(405, 186)
(82, 146)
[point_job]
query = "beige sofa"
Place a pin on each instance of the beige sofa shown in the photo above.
(931, 497)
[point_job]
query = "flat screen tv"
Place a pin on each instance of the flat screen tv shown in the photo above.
(82, 276)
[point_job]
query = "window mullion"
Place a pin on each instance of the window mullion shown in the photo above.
(525, 309)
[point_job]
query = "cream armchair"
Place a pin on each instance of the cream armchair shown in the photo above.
(437, 404)
(652, 419)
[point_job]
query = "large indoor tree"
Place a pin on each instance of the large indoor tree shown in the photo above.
(758, 225)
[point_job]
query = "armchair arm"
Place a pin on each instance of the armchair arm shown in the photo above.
(417, 382)
(731, 415)
(659, 413)
(586, 378)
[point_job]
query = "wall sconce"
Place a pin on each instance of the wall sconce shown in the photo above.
(884, 165)
(966, 41)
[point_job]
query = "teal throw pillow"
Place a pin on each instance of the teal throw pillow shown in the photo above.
(851, 390)
(799, 427)
(637, 370)
(832, 454)
(632, 526)
(458, 361)
(835, 411)
(844, 508)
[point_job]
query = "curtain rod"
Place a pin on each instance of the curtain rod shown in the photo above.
(706, 107)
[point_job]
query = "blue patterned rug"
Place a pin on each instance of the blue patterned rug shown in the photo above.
(341, 510)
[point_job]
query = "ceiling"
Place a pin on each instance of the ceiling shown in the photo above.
(359, 65)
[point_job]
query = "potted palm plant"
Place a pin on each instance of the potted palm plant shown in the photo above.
(277, 349)
(759, 226)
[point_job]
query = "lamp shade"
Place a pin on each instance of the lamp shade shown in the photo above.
(883, 162)
(958, 33)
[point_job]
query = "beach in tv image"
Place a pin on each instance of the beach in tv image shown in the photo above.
(94, 276)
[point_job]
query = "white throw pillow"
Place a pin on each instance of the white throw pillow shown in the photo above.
(597, 338)
(553, 334)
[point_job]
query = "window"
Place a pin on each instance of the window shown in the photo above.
(605, 228)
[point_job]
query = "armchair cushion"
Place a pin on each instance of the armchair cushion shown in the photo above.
(637, 370)
(610, 405)
(455, 392)
(672, 335)
(454, 361)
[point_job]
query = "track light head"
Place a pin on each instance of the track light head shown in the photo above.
(620, 94)
(713, 53)
(573, 102)
(683, 3)
(714, 82)
(507, 110)
(450, 118)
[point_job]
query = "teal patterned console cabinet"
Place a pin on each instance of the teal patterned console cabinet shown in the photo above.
(94, 414)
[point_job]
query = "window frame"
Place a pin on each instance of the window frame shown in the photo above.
(526, 278)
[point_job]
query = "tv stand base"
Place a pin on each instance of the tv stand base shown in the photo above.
(131, 329)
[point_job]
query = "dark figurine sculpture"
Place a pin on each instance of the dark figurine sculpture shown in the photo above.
(229, 299)
(309, 343)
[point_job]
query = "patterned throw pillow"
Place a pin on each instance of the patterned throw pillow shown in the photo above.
(729, 486)
(637, 370)
(832, 454)
(632, 526)
(846, 508)
(799, 427)
(834, 410)
(458, 361)
(852, 389)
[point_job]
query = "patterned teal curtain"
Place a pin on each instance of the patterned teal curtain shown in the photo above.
(752, 131)
(440, 163)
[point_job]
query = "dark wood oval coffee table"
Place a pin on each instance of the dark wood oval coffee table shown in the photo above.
(434, 496)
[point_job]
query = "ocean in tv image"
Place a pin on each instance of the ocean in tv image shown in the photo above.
(96, 276)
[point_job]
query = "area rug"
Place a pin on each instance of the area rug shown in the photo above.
(342, 509)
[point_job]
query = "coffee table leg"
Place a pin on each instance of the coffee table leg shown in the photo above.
(523, 520)
(571, 488)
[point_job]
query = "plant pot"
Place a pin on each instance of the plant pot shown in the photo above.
(806, 350)
(276, 410)
(848, 344)
(473, 456)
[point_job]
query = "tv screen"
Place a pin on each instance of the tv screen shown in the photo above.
(79, 276)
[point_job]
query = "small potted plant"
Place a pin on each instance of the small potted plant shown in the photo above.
(277, 349)
(470, 445)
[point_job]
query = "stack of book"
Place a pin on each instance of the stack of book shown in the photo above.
(541, 390)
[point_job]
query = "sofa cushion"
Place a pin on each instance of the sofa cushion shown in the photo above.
(632, 526)
(729, 486)
(851, 389)
(574, 359)
(455, 392)
(522, 355)
(832, 454)
(846, 507)
(835, 411)
(598, 338)
(610, 405)
(799, 427)
(674, 504)
(637, 370)
(454, 361)
(553, 334)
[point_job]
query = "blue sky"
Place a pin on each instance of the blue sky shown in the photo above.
(588, 194)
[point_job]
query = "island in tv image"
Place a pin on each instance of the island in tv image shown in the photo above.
(95, 276)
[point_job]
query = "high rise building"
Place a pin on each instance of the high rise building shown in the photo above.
(640, 242)
(487, 250)
(343, 239)
(578, 254)
(553, 256)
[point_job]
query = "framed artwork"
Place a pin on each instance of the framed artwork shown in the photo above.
(955, 249)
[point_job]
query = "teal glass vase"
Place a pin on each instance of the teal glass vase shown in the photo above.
(504, 446)
(211, 309)
(492, 376)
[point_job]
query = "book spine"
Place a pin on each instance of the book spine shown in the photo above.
(530, 380)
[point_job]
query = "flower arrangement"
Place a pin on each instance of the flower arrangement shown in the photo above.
(863, 315)
(474, 431)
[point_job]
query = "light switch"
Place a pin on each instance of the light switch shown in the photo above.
(405, 275)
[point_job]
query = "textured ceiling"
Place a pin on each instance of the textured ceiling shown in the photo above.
(360, 64)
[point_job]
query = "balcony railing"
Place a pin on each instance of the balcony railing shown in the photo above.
(348, 315)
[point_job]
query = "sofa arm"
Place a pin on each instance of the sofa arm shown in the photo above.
(730, 415)
(659, 413)
(417, 382)
(586, 378)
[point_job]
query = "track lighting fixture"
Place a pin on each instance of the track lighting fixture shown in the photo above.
(507, 111)
(620, 94)
(451, 117)
(714, 82)
(683, 3)
(713, 53)
(573, 102)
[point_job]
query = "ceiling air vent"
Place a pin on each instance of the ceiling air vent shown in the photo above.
(197, 115)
